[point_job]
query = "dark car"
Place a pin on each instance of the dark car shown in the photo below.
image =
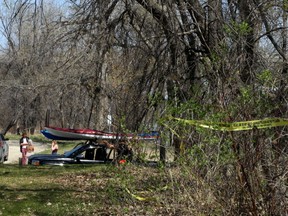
(85, 153)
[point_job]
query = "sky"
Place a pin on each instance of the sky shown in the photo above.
(4, 13)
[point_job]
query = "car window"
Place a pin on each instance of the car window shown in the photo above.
(97, 153)
(72, 151)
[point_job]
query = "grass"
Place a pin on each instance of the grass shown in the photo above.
(39, 190)
(71, 190)
(100, 190)
(35, 137)
(68, 190)
(127, 189)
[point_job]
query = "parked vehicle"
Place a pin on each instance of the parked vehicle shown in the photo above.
(4, 149)
(84, 153)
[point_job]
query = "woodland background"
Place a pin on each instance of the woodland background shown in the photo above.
(124, 65)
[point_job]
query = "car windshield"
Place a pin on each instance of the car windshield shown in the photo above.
(68, 153)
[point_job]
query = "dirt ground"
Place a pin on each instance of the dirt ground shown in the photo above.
(15, 154)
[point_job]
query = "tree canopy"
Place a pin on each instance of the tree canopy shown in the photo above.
(135, 62)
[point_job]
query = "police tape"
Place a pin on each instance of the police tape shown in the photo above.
(237, 126)
(139, 197)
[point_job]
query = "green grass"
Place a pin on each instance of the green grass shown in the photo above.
(41, 190)
(35, 137)
(69, 190)
(102, 190)
(127, 189)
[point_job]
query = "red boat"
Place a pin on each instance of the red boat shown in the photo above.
(79, 134)
(90, 134)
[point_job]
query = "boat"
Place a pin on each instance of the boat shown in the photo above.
(53, 137)
(78, 134)
(91, 134)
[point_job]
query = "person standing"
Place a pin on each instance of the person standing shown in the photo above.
(24, 141)
(54, 147)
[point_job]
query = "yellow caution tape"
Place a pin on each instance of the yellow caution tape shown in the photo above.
(237, 126)
(139, 197)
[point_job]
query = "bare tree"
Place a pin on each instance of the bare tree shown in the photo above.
(138, 61)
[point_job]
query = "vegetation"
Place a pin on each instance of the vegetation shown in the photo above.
(35, 137)
(104, 190)
(133, 66)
